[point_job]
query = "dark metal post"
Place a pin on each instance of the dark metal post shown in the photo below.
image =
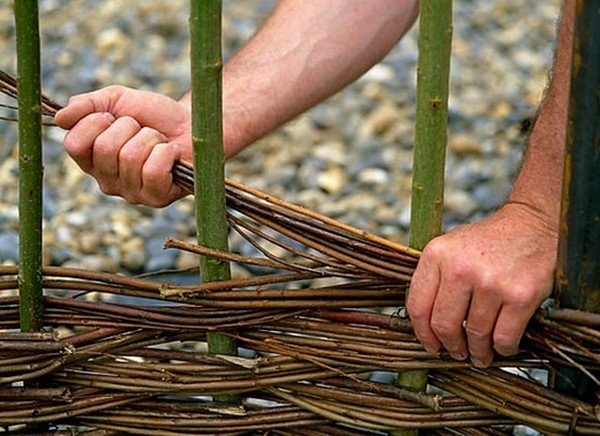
(578, 273)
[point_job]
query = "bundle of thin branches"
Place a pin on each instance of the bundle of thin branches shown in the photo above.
(312, 343)
(313, 359)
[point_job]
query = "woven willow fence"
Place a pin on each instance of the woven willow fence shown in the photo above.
(310, 350)
(317, 350)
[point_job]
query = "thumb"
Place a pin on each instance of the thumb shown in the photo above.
(79, 106)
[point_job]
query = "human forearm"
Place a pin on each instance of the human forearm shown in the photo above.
(480, 302)
(539, 183)
(305, 52)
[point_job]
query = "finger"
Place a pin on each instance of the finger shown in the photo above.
(449, 311)
(132, 158)
(158, 186)
(80, 140)
(421, 296)
(156, 119)
(105, 155)
(122, 101)
(480, 323)
(510, 327)
(82, 105)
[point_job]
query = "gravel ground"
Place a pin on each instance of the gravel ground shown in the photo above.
(349, 158)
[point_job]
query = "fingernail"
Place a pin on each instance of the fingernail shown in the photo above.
(478, 363)
(430, 349)
(458, 356)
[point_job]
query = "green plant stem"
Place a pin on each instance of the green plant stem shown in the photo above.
(209, 158)
(30, 164)
(435, 37)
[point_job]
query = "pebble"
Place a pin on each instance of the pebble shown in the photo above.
(349, 158)
(9, 246)
(133, 254)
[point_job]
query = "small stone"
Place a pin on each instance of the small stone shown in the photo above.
(89, 242)
(158, 258)
(133, 254)
(186, 260)
(113, 43)
(97, 262)
(238, 272)
(463, 144)
(121, 223)
(374, 176)
(332, 151)
(460, 204)
(501, 110)
(9, 246)
(381, 119)
(332, 180)
(380, 73)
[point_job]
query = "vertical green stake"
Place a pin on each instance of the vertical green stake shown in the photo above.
(435, 38)
(30, 164)
(209, 158)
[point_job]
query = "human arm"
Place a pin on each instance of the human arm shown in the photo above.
(494, 274)
(304, 52)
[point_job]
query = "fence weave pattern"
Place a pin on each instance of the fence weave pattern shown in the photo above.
(314, 344)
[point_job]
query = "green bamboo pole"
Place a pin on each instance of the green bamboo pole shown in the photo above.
(30, 164)
(435, 37)
(578, 270)
(209, 158)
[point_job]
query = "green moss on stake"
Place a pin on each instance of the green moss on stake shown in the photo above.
(30, 164)
(209, 158)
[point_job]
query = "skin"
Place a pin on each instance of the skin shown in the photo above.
(495, 273)
(129, 139)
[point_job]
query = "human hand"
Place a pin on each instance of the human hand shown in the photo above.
(128, 140)
(492, 275)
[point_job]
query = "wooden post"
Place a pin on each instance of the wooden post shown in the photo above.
(30, 164)
(435, 38)
(209, 157)
(578, 272)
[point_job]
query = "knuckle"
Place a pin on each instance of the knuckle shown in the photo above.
(107, 188)
(115, 90)
(128, 156)
(415, 310)
(103, 146)
(153, 177)
(151, 135)
(433, 250)
(129, 120)
(153, 201)
(131, 198)
(505, 345)
(73, 146)
(522, 298)
(147, 131)
(477, 335)
(443, 329)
